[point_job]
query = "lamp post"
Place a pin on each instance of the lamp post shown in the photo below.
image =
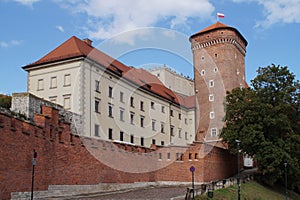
(33, 165)
(192, 169)
(238, 157)
(285, 173)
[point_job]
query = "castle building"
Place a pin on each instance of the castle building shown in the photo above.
(219, 66)
(116, 102)
(135, 126)
(130, 105)
(174, 81)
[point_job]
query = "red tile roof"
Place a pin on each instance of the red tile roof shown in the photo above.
(216, 26)
(74, 48)
(77, 48)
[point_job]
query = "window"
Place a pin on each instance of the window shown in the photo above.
(162, 127)
(142, 106)
(67, 101)
(171, 113)
(168, 156)
(110, 132)
(142, 141)
(131, 138)
(162, 109)
(121, 114)
(202, 72)
(40, 84)
(153, 125)
(186, 135)
(142, 121)
(177, 156)
(215, 69)
(121, 136)
(53, 99)
(213, 132)
(97, 130)
(179, 133)
(152, 105)
(211, 97)
(172, 130)
(190, 156)
(153, 141)
(159, 156)
(122, 97)
(179, 116)
(110, 110)
(110, 92)
(162, 143)
(185, 121)
(53, 82)
(97, 86)
(67, 80)
(97, 106)
(196, 156)
(131, 118)
(212, 115)
(211, 83)
(132, 102)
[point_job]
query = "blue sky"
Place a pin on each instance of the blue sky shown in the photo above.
(32, 28)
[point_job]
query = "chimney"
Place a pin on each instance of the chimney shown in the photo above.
(88, 41)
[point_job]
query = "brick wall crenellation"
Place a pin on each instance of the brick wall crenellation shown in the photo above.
(67, 159)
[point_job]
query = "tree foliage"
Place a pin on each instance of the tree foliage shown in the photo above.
(266, 119)
(5, 101)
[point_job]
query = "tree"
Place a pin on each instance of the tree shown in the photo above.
(5, 101)
(266, 119)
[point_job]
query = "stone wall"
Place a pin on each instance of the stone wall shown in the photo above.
(29, 104)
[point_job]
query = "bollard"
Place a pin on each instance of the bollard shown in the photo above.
(210, 193)
(188, 194)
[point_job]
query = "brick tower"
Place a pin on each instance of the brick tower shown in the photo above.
(219, 66)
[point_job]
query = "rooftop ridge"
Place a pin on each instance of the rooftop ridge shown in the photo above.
(173, 71)
(76, 48)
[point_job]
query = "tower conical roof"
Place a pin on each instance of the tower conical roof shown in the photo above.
(216, 26)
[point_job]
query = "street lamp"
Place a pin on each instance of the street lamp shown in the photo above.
(238, 157)
(285, 173)
(33, 165)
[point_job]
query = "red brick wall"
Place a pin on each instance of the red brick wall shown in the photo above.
(219, 164)
(224, 50)
(62, 158)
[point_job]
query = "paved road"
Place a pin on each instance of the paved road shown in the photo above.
(175, 193)
(152, 193)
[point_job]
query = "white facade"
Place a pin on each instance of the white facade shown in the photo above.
(174, 81)
(112, 107)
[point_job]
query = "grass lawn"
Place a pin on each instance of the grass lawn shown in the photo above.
(251, 191)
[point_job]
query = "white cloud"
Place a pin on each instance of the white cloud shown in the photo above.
(11, 43)
(27, 2)
(60, 28)
(3, 44)
(108, 18)
(277, 11)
